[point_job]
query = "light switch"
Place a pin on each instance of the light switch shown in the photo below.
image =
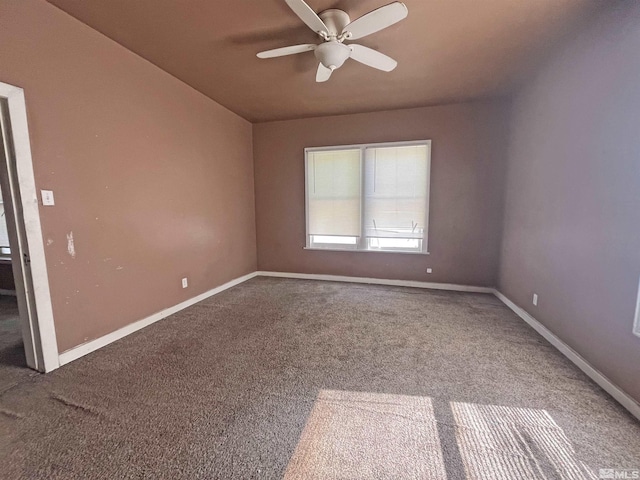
(47, 197)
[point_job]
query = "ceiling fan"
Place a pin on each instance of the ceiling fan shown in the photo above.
(334, 27)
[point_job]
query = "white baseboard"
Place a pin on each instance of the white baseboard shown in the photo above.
(4, 291)
(379, 281)
(85, 348)
(88, 347)
(607, 385)
(623, 398)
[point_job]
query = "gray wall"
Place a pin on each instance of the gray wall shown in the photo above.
(572, 217)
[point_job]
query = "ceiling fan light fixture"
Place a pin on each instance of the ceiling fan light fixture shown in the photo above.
(332, 54)
(334, 26)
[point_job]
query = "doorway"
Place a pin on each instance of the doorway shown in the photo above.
(11, 343)
(26, 317)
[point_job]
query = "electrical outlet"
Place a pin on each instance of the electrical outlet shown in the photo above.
(429, 270)
(535, 299)
(185, 284)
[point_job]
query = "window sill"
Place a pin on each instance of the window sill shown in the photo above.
(353, 250)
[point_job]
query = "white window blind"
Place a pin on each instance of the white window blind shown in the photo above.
(396, 192)
(368, 197)
(334, 196)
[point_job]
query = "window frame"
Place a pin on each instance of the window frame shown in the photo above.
(361, 246)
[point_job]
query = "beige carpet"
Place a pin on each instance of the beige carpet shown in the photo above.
(368, 435)
(305, 379)
(504, 443)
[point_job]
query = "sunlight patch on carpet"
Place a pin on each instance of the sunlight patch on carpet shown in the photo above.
(506, 443)
(368, 435)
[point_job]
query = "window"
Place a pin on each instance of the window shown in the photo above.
(368, 197)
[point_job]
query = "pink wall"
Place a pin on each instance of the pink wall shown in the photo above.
(154, 180)
(572, 219)
(467, 176)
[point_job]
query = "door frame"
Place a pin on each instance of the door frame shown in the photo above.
(38, 328)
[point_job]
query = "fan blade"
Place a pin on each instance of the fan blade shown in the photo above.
(281, 52)
(323, 74)
(372, 58)
(307, 15)
(377, 20)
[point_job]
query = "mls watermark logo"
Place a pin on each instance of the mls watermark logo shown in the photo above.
(619, 473)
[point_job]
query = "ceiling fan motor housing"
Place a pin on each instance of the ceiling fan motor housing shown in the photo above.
(334, 27)
(335, 20)
(332, 54)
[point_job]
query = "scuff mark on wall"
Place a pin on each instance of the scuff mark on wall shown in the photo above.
(49, 241)
(71, 248)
